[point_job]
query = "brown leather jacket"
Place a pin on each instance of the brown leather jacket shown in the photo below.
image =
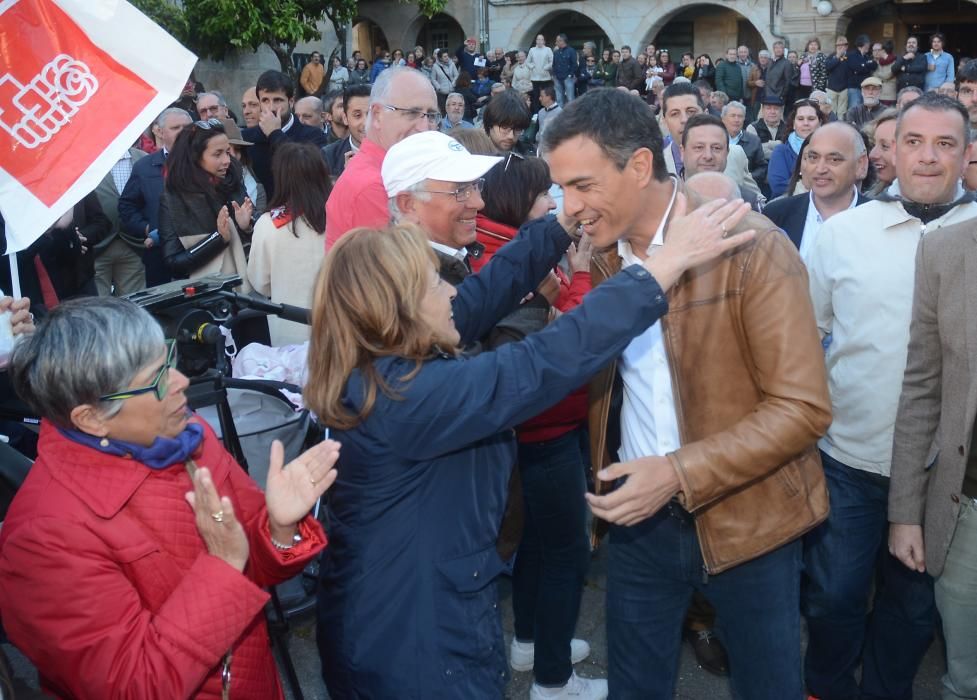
(751, 397)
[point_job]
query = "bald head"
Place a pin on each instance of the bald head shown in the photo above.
(834, 161)
(398, 98)
(310, 112)
(710, 185)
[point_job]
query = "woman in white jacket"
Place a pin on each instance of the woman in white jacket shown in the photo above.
(522, 80)
(289, 240)
(540, 62)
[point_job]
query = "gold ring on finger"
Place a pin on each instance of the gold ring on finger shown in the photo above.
(218, 516)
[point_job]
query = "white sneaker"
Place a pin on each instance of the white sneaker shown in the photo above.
(521, 654)
(577, 688)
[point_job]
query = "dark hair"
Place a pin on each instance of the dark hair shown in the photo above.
(862, 40)
(659, 56)
(938, 35)
(358, 62)
(633, 127)
(329, 99)
(464, 80)
(703, 119)
(888, 46)
(352, 91)
(797, 106)
(274, 81)
(934, 102)
(563, 36)
(507, 109)
(183, 172)
(625, 46)
(511, 189)
(549, 90)
(678, 90)
(302, 183)
(968, 74)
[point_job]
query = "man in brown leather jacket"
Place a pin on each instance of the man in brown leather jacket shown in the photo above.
(710, 418)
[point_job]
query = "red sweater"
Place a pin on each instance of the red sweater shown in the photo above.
(569, 413)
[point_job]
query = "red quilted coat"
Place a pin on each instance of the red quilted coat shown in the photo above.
(106, 585)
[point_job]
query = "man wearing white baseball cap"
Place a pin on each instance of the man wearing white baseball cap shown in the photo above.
(434, 182)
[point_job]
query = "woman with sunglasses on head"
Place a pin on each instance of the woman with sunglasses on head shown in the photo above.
(552, 559)
(134, 557)
(204, 209)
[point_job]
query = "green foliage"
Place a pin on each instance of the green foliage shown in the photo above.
(213, 28)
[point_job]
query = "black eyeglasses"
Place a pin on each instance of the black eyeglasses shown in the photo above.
(463, 193)
(212, 123)
(160, 385)
(433, 118)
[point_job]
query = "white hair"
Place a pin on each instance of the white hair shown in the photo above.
(416, 191)
(735, 104)
(383, 85)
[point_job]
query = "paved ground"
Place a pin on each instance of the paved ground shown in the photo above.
(693, 683)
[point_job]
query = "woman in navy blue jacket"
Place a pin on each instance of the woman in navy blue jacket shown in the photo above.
(407, 601)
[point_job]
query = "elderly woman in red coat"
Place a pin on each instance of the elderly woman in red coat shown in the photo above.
(132, 559)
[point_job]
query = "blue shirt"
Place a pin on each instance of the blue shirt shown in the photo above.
(944, 72)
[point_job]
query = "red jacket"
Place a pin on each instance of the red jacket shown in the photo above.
(571, 411)
(107, 586)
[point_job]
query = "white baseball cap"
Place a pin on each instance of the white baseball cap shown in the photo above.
(431, 155)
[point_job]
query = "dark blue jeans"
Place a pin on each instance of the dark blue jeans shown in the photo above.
(653, 569)
(842, 557)
(547, 581)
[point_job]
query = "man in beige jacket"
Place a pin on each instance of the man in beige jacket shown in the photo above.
(933, 494)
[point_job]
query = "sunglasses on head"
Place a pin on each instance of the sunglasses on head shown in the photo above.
(208, 124)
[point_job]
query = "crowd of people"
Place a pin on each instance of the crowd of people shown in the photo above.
(544, 286)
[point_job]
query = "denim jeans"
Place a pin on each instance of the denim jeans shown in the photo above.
(854, 99)
(653, 569)
(564, 89)
(956, 597)
(552, 560)
(842, 557)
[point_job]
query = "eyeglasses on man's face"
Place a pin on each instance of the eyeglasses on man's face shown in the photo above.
(160, 385)
(433, 118)
(463, 193)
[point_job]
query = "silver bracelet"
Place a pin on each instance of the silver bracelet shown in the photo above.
(296, 538)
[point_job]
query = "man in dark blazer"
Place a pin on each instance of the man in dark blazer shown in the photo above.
(276, 125)
(139, 201)
(933, 491)
(356, 105)
(834, 161)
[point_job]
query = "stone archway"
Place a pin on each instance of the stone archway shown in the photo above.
(578, 26)
(442, 31)
(366, 36)
(704, 28)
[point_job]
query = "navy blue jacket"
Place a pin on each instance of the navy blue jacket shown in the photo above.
(837, 69)
(859, 67)
(407, 604)
(564, 63)
(790, 214)
(139, 201)
(264, 146)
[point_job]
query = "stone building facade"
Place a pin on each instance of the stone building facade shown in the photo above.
(700, 27)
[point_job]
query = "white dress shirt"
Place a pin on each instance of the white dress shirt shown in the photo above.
(649, 424)
(813, 223)
(457, 253)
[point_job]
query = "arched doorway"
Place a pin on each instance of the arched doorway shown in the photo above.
(892, 21)
(440, 32)
(367, 38)
(578, 27)
(708, 29)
